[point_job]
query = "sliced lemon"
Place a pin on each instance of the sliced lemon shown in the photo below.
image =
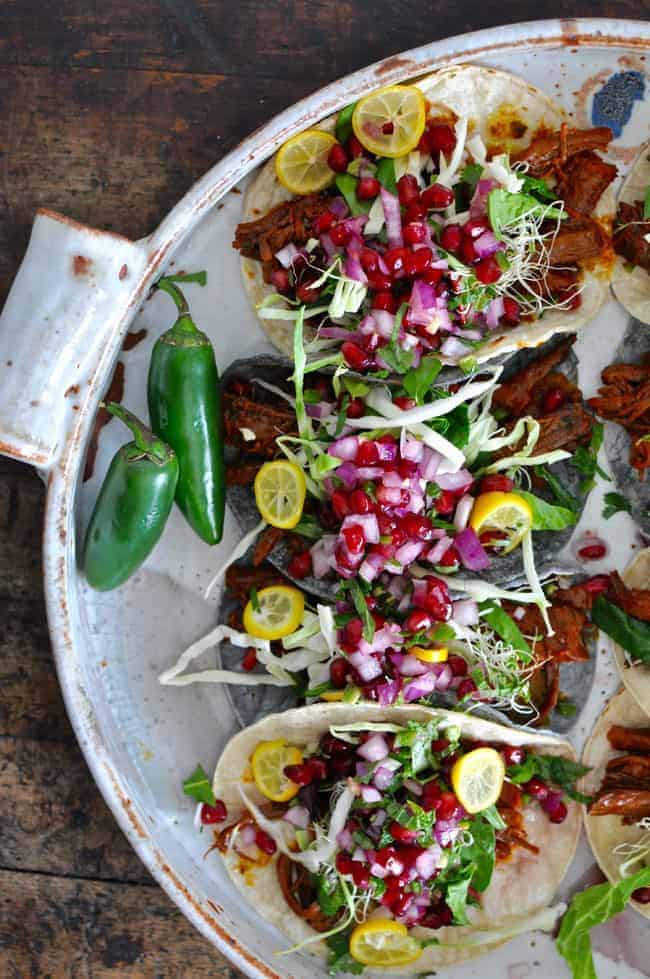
(332, 695)
(278, 612)
(383, 942)
(280, 490)
(477, 779)
(438, 655)
(391, 121)
(268, 762)
(505, 513)
(301, 163)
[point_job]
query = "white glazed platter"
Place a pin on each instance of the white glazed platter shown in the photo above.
(141, 740)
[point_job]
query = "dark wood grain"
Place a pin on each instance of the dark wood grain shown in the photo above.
(108, 113)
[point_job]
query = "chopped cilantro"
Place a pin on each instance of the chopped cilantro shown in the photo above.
(198, 786)
(585, 460)
(615, 503)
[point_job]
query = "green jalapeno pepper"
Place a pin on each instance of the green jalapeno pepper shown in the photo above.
(132, 507)
(185, 410)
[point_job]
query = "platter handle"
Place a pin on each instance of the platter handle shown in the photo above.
(71, 297)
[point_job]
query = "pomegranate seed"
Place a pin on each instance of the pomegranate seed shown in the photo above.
(511, 311)
(213, 814)
(466, 688)
(437, 196)
(431, 796)
(339, 234)
(388, 129)
(339, 669)
(300, 565)
(401, 833)
(306, 292)
(441, 138)
(559, 813)
(440, 611)
(450, 559)
(265, 842)
(379, 281)
(487, 271)
(432, 276)
(496, 484)
(536, 788)
(418, 262)
(280, 279)
(449, 807)
(408, 190)
(414, 233)
(249, 659)
(356, 408)
(354, 539)
(355, 148)
(553, 400)
(334, 746)
(398, 537)
(457, 665)
(369, 259)
(354, 631)
(318, 768)
(384, 300)
(418, 526)
(445, 503)
(466, 251)
(592, 552)
(513, 754)
(642, 895)
(337, 159)
(475, 227)
(415, 212)
(359, 501)
(597, 585)
(405, 404)
(344, 864)
(367, 188)
(355, 357)
(340, 504)
(324, 222)
(367, 453)
(299, 774)
(439, 744)
(418, 621)
(451, 238)
(395, 259)
(345, 559)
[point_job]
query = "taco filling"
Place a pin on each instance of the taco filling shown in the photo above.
(442, 249)
(624, 399)
(384, 831)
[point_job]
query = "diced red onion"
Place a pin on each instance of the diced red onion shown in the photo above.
(409, 552)
(439, 549)
(456, 482)
(494, 313)
(453, 348)
(382, 640)
(339, 333)
(329, 247)
(446, 831)
(419, 592)
(354, 226)
(344, 448)
(389, 495)
(465, 612)
(422, 687)
(321, 410)
(369, 794)
(430, 463)
(371, 566)
(354, 245)
(384, 322)
(382, 778)
(411, 448)
(486, 245)
(353, 270)
(368, 523)
(348, 473)
(387, 692)
(392, 479)
(471, 551)
(377, 870)
(519, 613)
(344, 839)
(287, 255)
(367, 325)
(298, 816)
(359, 854)
(427, 863)
(463, 510)
(361, 769)
(369, 472)
(387, 451)
(339, 208)
(414, 787)
(415, 504)
(393, 217)
(368, 669)
(412, 666)
(374, 749)
(422, 303)
(444, 676)
(478, 204)
(322, 555)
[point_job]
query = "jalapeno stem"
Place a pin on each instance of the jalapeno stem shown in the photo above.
(145, 440)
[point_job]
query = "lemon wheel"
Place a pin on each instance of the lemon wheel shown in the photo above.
(268, 762)
(280, 490)
(301, 163)
(383, 942)
(434, 655)
(507, 514)
(391, 121)
(477, 779)
(276, 612)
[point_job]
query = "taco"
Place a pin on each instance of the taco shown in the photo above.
(631, 275)
(618, 818)
(624, 400)
(499, 213)
(391, 837)
(633, 662)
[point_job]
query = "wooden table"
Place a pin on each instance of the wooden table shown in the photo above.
(109, 116)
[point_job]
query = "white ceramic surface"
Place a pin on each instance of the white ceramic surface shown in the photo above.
(141, 740)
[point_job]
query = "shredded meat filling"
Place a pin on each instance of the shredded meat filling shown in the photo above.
(515, 395)
(579, 238)
(549, 151)
(298, 891)
(629, 235)
(291, 221)
(265, 422)
(584, 179)
(634, 739)
(624, 399)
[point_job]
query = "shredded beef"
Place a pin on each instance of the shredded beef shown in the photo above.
(625, 400)
(291, 221)
(265, 544)
(636, 739)
(579, 238)
(516, 394)
(632, 803)
(629, 232)
(584, 179)
(566, 428)
(548, 150)
(265, 421)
